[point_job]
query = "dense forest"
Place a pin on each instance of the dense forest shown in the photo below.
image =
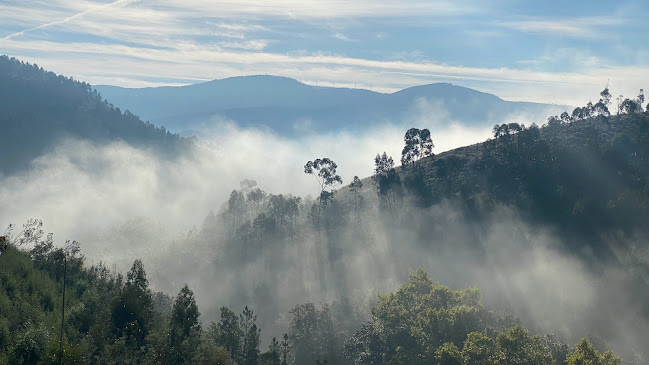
(542, 228)
(39, 108)
(115, 319)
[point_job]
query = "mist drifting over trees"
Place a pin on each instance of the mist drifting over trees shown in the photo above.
(527, 248)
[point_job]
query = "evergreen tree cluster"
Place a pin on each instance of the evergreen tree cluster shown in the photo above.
(112, 319)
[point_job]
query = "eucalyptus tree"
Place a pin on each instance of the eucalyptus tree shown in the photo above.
(386, 179)
(357, 199)
(324, 170)
(418, 145)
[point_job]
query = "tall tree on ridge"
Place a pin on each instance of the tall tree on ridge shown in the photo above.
(324, 170)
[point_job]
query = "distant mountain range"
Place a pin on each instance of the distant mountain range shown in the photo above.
(289, 107)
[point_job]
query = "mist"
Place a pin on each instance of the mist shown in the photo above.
(85, 191)
(123, 203)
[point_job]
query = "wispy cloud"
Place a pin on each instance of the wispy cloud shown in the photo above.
(205, 62)
(147, 43)
(341, 36)
(70, 18)
(253, 45)
(588, 27)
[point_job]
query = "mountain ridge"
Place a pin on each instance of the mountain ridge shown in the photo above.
(280, 103)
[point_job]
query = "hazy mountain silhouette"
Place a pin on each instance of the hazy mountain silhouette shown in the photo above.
(288, 106)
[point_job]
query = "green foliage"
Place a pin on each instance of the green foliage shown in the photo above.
(517, 347)
(422, 320)
(314, 335)
(216, 355)
(324, 170)
(250, 342)
(132, 312)
(448, 354)
(586, 354)
(227, 333)
(387, 181)
(418, 145)
(284, 350)
(410, 325)
(184, 329)
(71, 354)
(272, 356)
(478, 349)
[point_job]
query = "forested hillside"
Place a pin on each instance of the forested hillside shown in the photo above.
(587, 177)
(112, 319)
(555, 213)
(532, 244)
(38, 108)
(373, 227)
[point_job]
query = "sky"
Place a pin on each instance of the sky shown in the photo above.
(560, 52)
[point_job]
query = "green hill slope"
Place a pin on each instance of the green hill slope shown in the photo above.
(587, 177)
(37, 108)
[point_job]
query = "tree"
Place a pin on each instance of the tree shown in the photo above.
(619, 99)
(247, 185)
(586, 354)
(313, 335)
(516, 347)
(383, 164)
(507, 129)
(355, 187)
(366, 346)
(272, 356)
(137, 276)
(558, 349)
(553, 122)
(262, 225)
(629, 106)
(477, 349)
(250, 340)
(236, 208)
(601, 109)
(641, 99)
(324, 170)
(423, 315)
(606, 97)
(565, 117)
(184, 328)
(386, 179)
(255, 199)
(227, 333)
(215, 355)
(448, 354)
(418, 145)
(285, 349)
(278, 208)
(132, 311)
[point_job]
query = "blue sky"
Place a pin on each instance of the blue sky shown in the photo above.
(549, 51)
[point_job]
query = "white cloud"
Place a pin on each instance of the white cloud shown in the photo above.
(341, 36)
(143, 43)
(587, 27)
(253, 45)
(188, 61)
(71, 17)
